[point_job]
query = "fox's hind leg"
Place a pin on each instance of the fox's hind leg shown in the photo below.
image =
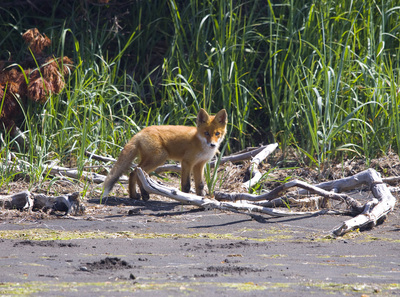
(148, 165)
(132, 185)
(133, 179)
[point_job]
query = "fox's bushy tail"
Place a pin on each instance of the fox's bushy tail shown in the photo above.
(122, 165)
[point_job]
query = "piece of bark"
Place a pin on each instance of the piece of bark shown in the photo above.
(69, 203)
(22, 201)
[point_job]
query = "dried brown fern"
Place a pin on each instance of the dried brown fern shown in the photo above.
(36, 41)
(33, 84)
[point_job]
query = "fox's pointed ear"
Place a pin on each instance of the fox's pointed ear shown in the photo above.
(202, 117)
(222, 117)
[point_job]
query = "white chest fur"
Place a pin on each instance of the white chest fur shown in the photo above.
(207, 150)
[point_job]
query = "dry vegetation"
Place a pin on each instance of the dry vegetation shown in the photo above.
(33, 79)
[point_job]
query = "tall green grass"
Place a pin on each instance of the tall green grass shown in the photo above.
(320, 76)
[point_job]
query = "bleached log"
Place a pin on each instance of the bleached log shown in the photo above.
(280, 190)
(366, 177)
(253, 172)
(372, 214)
(368, 214)
(168, 168)
(22, 201)
(153, 187)
(392, 180)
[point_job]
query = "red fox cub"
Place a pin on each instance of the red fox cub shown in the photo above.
(192, 146)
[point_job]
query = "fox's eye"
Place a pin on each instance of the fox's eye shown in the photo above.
(206, 133)
(217, 133)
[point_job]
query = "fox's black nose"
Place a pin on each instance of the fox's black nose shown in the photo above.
(212, 144)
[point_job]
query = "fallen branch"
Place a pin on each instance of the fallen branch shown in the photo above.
(99, 158)
(282, 189)
(253, 172)
(368, 214)
(376, 210)
(315, 202)
(153, 187)
(74, 173)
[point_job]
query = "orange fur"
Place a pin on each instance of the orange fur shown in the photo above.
(192, 146)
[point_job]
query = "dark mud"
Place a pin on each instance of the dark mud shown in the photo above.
(108, 263)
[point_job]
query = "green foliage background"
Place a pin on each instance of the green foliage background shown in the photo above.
(320, 76)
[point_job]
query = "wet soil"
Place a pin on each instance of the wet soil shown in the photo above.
(160, 247)
(170, 249)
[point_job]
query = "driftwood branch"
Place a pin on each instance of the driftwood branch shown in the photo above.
(368, 214)
(153, 187)
(69, 203)
(74, 173)
(384, 203)
(253, 172)
(282, 189)
(98, 157)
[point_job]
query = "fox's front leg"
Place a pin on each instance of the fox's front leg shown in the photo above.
(198, 174)
(185, 176)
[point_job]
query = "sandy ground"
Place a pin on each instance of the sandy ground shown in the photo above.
(162, 248)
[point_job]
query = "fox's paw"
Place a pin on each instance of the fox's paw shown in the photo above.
(135, 196)
(201, 193)
(145, 196)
